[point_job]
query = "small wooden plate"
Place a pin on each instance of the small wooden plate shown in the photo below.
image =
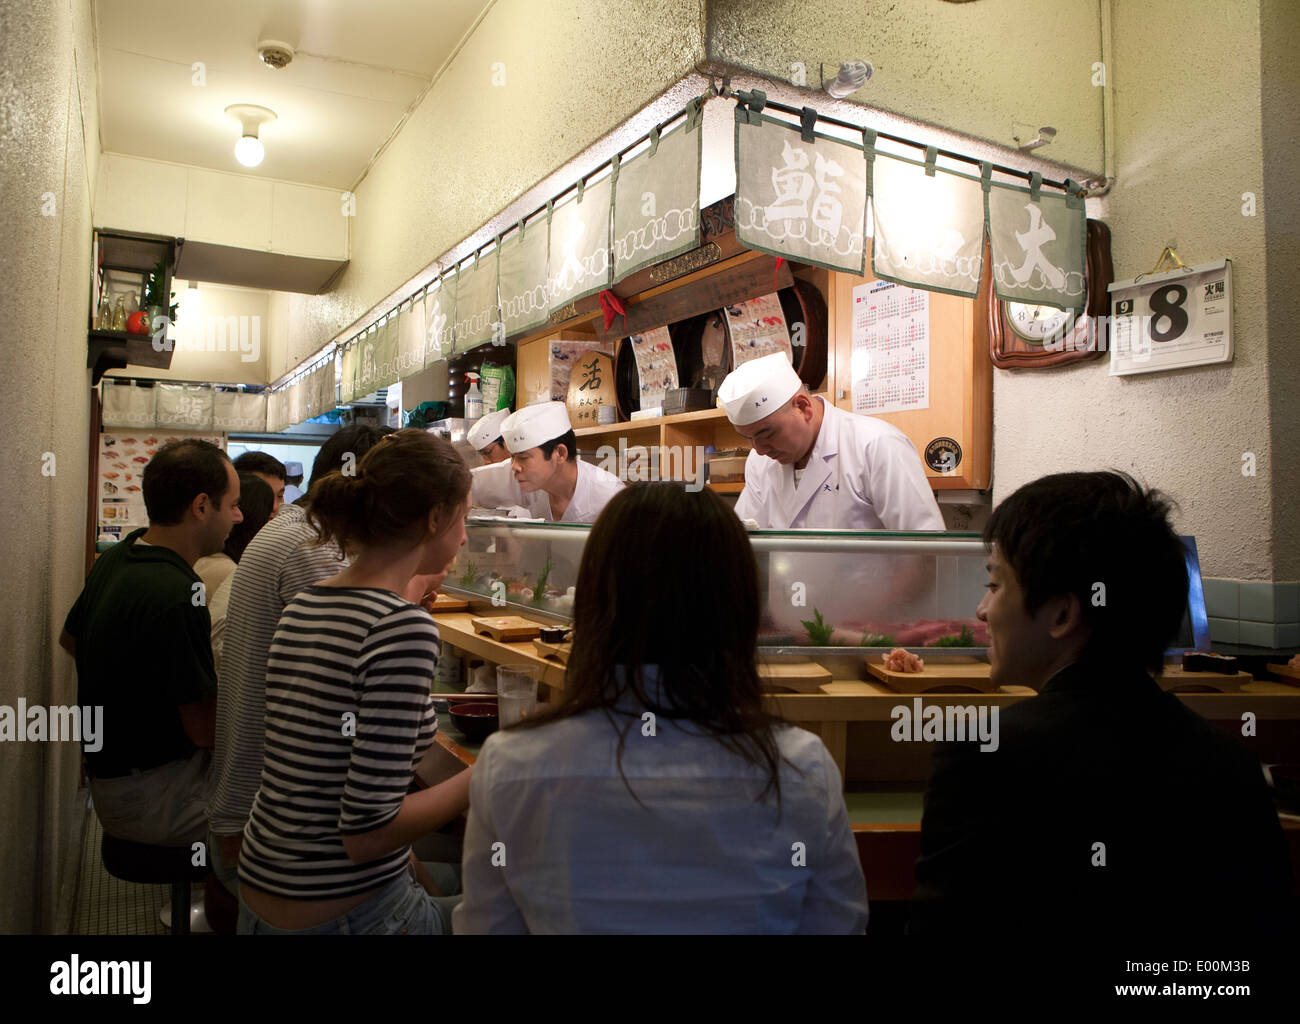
(449, 603)
(1286, 673)
(560, 652)
(968, 675)
(1174, 679)
(800, 676)
(506, 627)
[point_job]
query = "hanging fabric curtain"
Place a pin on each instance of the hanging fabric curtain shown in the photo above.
(348, 375)
(439, 309)
(238, 411)
(657, 199)
(476, 301)
(799, 194)
(297, 402)
(578, 262)
(1038, 243)
(276, 412)
(126, 405)
(521, 272)
(184, 407)
(410, 340)
(325, 400)
(928, 223)
(386, 353)
(311, 394)
(365, 368)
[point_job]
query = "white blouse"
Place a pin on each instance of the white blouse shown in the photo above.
(556, 843)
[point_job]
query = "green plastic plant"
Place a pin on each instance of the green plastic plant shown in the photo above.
(153, 290)
(819, 632)
(964, 639)
(539, 588)
(471, 574)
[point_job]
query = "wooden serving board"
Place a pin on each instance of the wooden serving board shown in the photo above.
(449, 603)
(1286, 673)
(505, 628)
(560, 652)
(800, 676)
(1175, 679)
(968, 675)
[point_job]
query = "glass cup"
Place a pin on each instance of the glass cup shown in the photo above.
(516, 693)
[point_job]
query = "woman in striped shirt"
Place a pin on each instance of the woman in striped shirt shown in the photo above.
(348, 711)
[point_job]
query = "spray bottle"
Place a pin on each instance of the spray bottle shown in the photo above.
(473, 399)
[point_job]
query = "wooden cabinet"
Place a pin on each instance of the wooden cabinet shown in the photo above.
(961, 379)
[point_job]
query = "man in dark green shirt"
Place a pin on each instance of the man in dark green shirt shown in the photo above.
(141, 635)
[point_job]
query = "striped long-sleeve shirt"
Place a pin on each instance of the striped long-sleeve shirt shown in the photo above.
(348, 717)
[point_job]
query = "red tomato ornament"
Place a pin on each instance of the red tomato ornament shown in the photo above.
(138, 323)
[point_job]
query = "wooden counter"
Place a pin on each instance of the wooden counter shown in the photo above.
(828, 713)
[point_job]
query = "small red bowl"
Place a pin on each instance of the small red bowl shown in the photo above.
(476, 721)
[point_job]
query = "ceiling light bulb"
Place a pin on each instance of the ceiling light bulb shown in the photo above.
(249, 151)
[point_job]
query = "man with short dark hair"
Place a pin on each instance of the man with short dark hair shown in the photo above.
(270, 469)
(140, 633)
(280, 561)
(544, 475)
(1106, 808)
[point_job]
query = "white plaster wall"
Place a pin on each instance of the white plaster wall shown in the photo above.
(153, 196)
(222, 359)
(573, 71)
(1280, 206)
(972, 67)
(48, 143)
(1188, 141)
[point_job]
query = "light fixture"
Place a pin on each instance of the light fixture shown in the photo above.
(852, 77)
(249, 150)
(1045, 135)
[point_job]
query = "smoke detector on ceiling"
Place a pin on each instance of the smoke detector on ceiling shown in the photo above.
(274, 54)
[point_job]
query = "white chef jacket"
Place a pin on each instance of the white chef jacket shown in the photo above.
(702, 856)
(863, 474)
(494, 486)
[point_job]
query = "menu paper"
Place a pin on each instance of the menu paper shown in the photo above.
(656, 366)
(757, 328)
(123, 454)
(890, 364)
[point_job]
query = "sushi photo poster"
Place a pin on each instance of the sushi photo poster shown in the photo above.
(123, 454)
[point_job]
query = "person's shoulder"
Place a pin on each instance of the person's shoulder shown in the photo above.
(601, 475)
(869, 429)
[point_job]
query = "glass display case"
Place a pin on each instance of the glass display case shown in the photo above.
(855, 592)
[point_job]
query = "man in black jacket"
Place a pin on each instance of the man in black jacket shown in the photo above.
(1107, 809)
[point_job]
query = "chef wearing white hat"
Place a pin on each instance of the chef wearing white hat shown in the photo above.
(485, 437)
(816, 467)
(544, 474)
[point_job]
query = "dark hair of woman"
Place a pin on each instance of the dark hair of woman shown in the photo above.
(255, 503)
(668, 579)
(389, 495)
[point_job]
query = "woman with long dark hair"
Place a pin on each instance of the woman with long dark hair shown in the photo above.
(659, 795)
(327, 848)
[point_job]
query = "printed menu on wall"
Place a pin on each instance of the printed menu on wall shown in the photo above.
(123, 454)
(890, 364)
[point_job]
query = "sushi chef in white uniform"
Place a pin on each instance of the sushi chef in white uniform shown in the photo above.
(543, 474)
(816, 467)
(485, 437)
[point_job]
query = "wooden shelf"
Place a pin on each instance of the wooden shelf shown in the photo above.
(653, 423)
(732, 488)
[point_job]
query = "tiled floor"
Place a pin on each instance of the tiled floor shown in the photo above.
(109, 906)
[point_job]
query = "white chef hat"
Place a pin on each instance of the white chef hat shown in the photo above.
(487, 429)
(758, 388)
(534, 425)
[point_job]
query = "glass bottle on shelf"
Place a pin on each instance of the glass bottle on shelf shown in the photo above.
(103, 315)
(119, 314)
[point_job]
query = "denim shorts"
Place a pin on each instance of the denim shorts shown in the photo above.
(400, 908)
